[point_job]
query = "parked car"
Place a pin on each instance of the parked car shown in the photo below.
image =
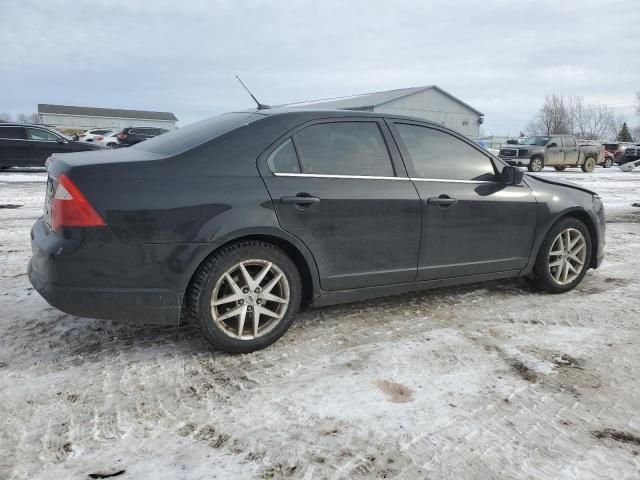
(492, 147)
(30, 145)
(237, 221)
(617, 148)
(609, 159)
(109, 139)
(132, 135)
(631, 154)
(558, 151)
(90, 135)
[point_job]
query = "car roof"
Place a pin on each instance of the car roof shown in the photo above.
(323, 113)
(24, 125)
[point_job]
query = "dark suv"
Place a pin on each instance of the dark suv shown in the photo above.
(30, 145)
(237, 221)
(132, 135)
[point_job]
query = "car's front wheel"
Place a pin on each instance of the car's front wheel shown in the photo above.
(536, 164)
(245, 296)
(608, 163)
(564, 257)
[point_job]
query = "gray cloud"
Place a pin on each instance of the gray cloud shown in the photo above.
(500, 56)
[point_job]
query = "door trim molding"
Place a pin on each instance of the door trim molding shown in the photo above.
(371, 177)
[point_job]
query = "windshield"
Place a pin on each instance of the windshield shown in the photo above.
(537, 140)
(185, 138)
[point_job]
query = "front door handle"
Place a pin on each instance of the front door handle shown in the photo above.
(302, 200)
(442, 201)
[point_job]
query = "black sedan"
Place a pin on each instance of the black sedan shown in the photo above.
(238, 221)
(30, 145)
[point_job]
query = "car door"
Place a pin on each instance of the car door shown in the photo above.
(340, 187)
(570, 150)
(42, 143)
(13, 146)
(471, 222)
(554, 152)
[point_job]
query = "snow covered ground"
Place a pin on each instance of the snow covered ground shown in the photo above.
(484, 381)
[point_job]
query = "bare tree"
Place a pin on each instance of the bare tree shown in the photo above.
(5, 117)
(592, 121)
(28, 118)
(570, 114)
(553, 117)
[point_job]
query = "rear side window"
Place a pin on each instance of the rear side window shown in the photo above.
(439, 155)
(13, 133)
(569, 142)
(284, 159)
(344, 148)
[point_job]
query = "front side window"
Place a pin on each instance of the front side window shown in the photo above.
(284, 159)
(40, 135)
(438, 155)
(344, 148)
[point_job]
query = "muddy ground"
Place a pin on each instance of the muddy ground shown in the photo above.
(483, 381)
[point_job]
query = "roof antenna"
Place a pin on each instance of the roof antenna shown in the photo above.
(261, 106)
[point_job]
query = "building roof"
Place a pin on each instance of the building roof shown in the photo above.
(375, 99)
(105, 112)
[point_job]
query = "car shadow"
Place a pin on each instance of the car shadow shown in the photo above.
(66, 339)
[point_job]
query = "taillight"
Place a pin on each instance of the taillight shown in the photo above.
(99, 137)
(70, 208)
(122, 136)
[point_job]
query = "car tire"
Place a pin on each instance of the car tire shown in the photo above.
(560, 168)
(589, 165)
(225, 303)
(536, 164)
(608, 163)
(111, 145)
(549, 270)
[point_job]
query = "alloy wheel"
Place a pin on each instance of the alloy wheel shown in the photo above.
(567, 256)
(250, 299)
(536, 165)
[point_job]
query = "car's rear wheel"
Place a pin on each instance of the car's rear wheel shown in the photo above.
(564, 257)
(589, 164)
(608, 163)
(560, 168)
(536, 164)
(111, 145)
(245, 296)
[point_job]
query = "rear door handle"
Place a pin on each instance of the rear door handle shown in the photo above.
(442, 200)
(302, 200)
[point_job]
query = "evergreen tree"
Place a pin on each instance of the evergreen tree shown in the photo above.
(624, 135)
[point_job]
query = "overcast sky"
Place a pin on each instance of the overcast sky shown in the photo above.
(501, 57)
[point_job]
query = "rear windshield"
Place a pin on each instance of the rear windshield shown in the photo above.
(611, 147)
(191, 136)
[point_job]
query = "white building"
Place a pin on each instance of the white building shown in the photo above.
(68, 117)
(428, 103)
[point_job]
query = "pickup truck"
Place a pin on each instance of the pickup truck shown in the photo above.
(558, 151)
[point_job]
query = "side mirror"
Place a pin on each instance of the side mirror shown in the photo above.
(61, 141)
(512, 175)
(552, 145)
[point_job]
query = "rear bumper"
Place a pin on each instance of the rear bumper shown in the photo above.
(135, 306)
(90, 273)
